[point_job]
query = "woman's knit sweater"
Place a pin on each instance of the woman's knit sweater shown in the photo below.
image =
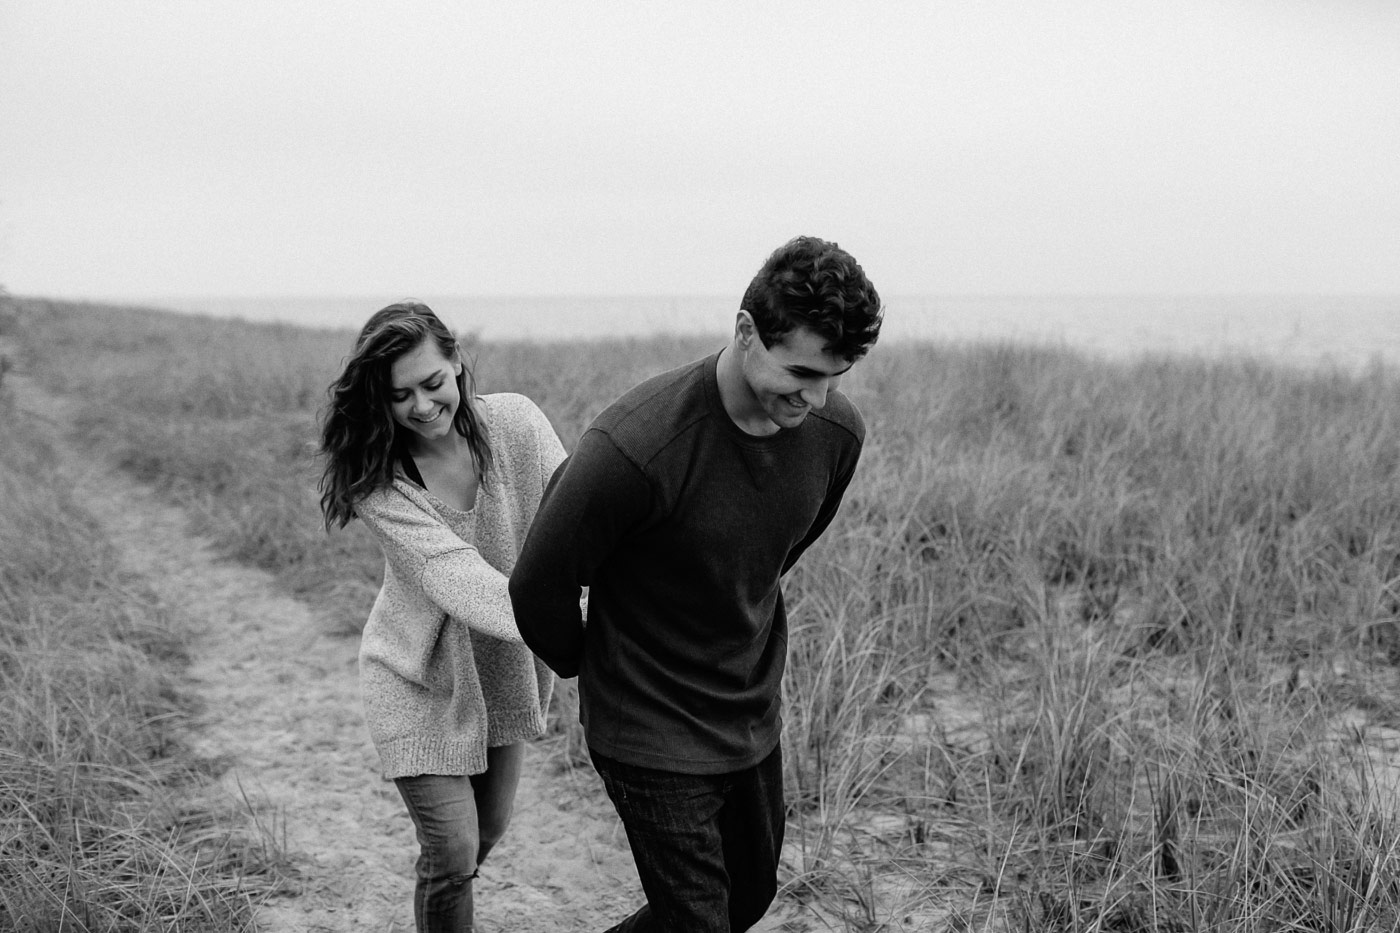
(443, 672)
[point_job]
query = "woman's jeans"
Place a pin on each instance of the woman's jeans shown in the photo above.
(706, 845)
(458, 818)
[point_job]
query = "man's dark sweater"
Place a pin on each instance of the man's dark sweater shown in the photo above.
(681, 525)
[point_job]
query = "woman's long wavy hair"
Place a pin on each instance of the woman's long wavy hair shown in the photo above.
(360, 441)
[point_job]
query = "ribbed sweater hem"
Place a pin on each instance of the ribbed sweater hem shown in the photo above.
(430, 754)
(509, 726)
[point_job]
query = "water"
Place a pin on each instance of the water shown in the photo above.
(533, 318)
(1351, 332)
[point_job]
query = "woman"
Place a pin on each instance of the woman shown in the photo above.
(448, 482)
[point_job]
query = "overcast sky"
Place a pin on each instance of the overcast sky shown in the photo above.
(275, 147)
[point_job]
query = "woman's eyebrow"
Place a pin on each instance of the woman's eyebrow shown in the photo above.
(424, 381)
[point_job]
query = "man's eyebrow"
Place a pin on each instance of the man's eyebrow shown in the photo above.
(800, 370)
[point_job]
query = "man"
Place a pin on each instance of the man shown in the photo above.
(681, 507)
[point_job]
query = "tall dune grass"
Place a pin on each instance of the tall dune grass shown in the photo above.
(105, 823)
(1163, 581)
(1091, 646)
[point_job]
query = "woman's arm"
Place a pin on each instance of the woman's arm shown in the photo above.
(451, 573)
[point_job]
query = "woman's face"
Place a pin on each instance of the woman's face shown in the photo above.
(423, 391)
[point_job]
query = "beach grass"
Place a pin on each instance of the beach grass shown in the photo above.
(1093, 644)
(107, 822)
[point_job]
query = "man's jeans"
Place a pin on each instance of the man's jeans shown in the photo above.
(706, 845)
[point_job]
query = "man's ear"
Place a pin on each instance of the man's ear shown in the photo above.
(745, 330)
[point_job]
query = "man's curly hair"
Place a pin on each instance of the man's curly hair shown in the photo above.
(813, 283)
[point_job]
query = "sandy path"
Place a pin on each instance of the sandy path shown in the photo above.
(282, 714)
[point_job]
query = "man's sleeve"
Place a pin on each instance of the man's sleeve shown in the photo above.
(595, 496)
(830, 504)
(854, 440)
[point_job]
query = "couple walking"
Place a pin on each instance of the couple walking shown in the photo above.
(678, 512)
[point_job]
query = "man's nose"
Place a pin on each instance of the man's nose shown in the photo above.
(815, 395)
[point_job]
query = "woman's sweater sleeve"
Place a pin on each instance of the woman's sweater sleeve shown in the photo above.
(551, 451)
(451, 572)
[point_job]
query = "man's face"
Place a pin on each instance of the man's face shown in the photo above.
(792, 377)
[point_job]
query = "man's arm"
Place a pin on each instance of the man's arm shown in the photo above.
(829, 506)
(594, 497)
